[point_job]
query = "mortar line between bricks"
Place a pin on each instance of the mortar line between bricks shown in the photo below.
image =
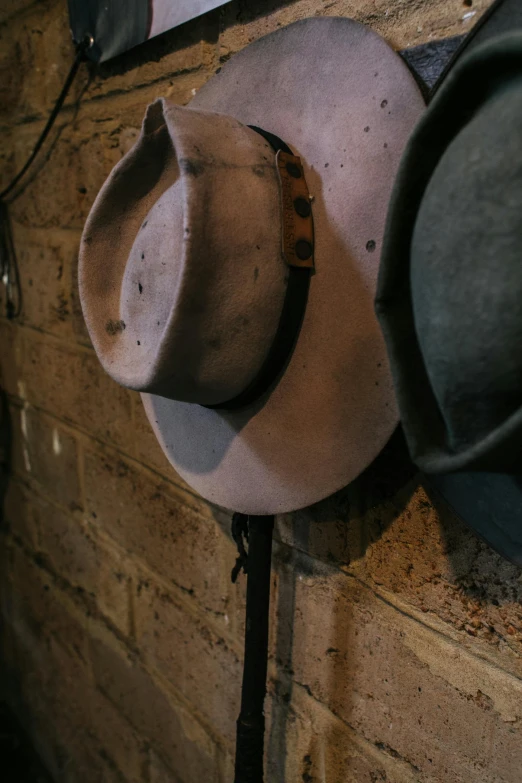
(166, 685)
(20, 13)
(71, 108)
(218, 738)
(191, 605)
(403, 610)
(36, 230)
(360, 739)
(50, 336)
(143, 86)
(206, 616)
(95, 619)
(76, 430)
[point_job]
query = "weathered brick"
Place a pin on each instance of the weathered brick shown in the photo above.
(57, 696)
(44, 451)
(18, 516)
(178, 737)
(201, 664)
(385, 529)
(11, 7)
(226, 765)
(39, 42)
(36, 609)
(430, 560)
(116, 739)
(172, 531)
(51, 679)
(68, 382)
(46, 262)
(305, 741)
(400, 685)
(80, 733)
(57, 688)
(75, 552)
(159, 772)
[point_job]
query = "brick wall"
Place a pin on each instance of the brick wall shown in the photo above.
(396, 635)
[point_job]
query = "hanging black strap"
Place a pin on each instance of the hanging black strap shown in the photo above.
(292, 314)
(251, 722)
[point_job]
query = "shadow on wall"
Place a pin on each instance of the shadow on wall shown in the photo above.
(206, 29)
(491, 585)
(337, 530)
(382, 535)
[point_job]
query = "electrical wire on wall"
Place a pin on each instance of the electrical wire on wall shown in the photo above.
(8, 266)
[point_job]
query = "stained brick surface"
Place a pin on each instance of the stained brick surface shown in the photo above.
(395, 634)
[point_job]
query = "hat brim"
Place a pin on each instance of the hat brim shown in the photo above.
(344, 101)
(490, 504)
(475, 80)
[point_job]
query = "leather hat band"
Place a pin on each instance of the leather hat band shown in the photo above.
(298, 252)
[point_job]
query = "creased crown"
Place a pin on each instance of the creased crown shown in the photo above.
(181, 274)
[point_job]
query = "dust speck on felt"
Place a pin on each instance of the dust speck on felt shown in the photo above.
(142, 256)
(114, 327)
(370, 245)
(367, 129)
(384, 103)
(138, 342)
(385, 146)
(326, 165)
(140, 288)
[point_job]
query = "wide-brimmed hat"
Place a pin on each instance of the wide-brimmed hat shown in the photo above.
(450, 288)
(205, 285)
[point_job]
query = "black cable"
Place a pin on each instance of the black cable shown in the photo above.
(8, 265)
(81, 49)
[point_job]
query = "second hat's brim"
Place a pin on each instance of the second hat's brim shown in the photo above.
(503, 16)
(344, 101)
(490, 504)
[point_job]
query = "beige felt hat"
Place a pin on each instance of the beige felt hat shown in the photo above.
(204, 285)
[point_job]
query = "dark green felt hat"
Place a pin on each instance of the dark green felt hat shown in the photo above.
(449, 297)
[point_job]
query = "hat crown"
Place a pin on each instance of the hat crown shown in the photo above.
(466, 276)
(191, 302)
